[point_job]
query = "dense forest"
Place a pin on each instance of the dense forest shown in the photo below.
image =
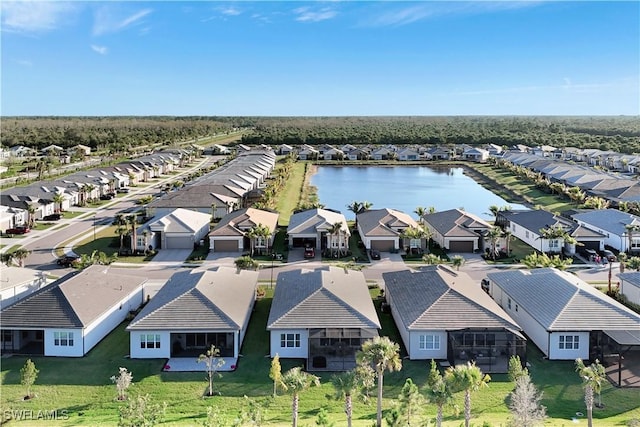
(120, 133)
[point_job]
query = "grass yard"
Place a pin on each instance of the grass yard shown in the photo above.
(82, 387)
(532, 195)
(290, 196)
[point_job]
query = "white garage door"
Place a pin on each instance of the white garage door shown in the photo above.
(179, 242)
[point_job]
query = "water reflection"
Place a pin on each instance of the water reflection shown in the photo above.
(404, 188)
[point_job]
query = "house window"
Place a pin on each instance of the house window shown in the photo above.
(414, 243)
(290, 340)
(150, 341)
(509, 303)
(569, 342)
(260, 242)
(513, 228)
(7, 336)
(526, 234)
(554, 243)
(63, 339)
(429, 342)
(635, 244)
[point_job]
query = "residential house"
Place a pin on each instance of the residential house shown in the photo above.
(442, 314)
(528, 226)
(21, 151)
(456, 230)
(52, 150)
(230, 234)
(194, 310)
(79, 149)
(383, 229)
(333, 154)
(358, 154)
(630, 286)
(408, 154)
(11, 217)
(308, 154)
(285, 150)
(312, 228)
(564, 316)
(475, 154)
(180, 229)
(70, 316)
(18, 282)
(323, 316)
(494, 149)
(441, 153)
(617, 226)
(383, 153)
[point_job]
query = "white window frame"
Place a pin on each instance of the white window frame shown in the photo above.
(415, 243)
(150, 341)
(429, 342)
(63, 339)
(569, 342)
(290, 340)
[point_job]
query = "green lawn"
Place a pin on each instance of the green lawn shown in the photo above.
(82, 386)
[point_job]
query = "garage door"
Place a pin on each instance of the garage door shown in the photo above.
(590, 244)
(382, 245)
(299, 242)
(461, 246)
(179, 242)
(225, 246)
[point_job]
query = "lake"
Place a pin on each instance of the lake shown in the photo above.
(404, 188)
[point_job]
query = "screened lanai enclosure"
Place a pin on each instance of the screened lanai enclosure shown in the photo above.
(490, 349)
(334, 349)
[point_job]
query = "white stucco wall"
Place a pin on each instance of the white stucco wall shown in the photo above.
(555, 353)
(111, 318)
(415, 353)
(611, 239)
(289, 352)
(534, 330)
(136, 352)
(68, 351)
(630, 291)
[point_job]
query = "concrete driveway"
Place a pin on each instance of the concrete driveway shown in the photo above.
(223, 258)
(171, 255)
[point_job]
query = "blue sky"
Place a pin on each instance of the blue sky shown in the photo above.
(321, 58)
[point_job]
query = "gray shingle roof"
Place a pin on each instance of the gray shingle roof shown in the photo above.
(309, 221)
(560, 301)
(235, 222)
(456, 222)
(610, 220)
(631, 277)
(181, 221)
(437, 298)
(384, 222)
(322, 298)
(200, 300)
(75, 301)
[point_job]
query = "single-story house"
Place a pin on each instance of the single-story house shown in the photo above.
(180, 229)
(323, 316)
(311, 227)
(11, 216)
(527, 225)
(382, 229)
(443, 314)
(308, 154)
(564, 316)
(194, 310)
(615, 225)
(630, 286)
(475, 154)
(70, 316)
(230, 234)
(18, 282)
(456, 230)
(408, 154)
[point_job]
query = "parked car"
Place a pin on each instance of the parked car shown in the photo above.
(67, 261)
(309, 252)
(610, 256)
(52, 217)
(106, 197)
(375, 254)
(123, 190)
(589, 254)
(20, 229)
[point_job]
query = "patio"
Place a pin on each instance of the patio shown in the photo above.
(191, 364)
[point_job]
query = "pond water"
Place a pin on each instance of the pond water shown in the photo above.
(404, 188)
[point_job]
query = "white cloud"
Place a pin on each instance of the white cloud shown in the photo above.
(230, 11)
(102, 50)
(306, 14)
(34, 16)
(23, 62)
(395, 15)
(107, 20)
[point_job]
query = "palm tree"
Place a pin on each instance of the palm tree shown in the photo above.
(381, 354)
(31, 211)
(121, 232)
(593, 376)
(438, 391)
(21, 254)
(594, 202)
(132, 221)
(467, 378)
(334, 234)
(432, 259)
(58, 199)
(493, 235)
(507, 240)
(257, 232)
(294, 382)
(420, 211)
(347, 384)
(413, 233)
(458, 261)
(630, 230)
(494, 209)
(553, 233)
